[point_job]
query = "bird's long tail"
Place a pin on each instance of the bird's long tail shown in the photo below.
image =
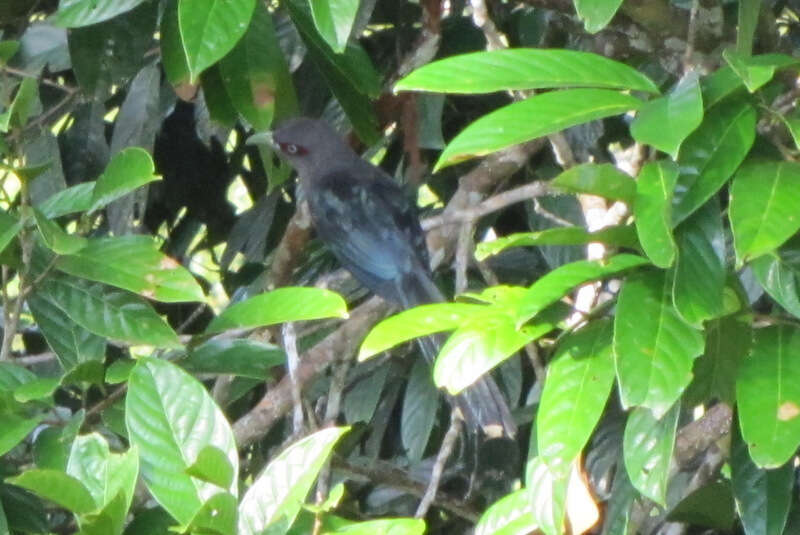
(482, 404)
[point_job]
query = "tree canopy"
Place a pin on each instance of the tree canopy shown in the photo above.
(611, 198)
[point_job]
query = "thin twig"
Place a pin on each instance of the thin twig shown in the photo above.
(547, 214)
(463, 249)
(691, 36)
(12, 319)
(492, 204)
(438, 467)
(293, 363)
(23, 74)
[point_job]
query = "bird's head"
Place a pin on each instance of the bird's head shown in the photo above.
(310, 145)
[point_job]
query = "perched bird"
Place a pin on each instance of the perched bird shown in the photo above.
(371, 226)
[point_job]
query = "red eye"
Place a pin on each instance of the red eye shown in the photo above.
(291, 149)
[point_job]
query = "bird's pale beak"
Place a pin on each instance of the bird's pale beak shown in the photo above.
(262, 138)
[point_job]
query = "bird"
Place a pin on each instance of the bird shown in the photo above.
(371, 226)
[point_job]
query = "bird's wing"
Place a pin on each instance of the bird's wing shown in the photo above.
(371, 228)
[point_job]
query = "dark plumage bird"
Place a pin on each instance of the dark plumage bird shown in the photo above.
(370, 225)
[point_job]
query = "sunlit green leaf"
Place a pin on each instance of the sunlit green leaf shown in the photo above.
(210, 29)
(171, 418)
(75, 13)
(277, 494)
(279, 306)
(128, 169)
(765, 207)
(647, 449)
(711, 154)
(768, 396)
(654, 347)
(621, 236)
(558, 282)
(523, 68)
(334, 21)
(534, 117)
(579, 381)
(666, 121)
(133, 263)
(603, 180)
(653, 211)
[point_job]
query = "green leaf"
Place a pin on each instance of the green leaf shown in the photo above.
(728, 342)
(768, 396)
(128, 170)
(22, 107)
(653, 211)
(699, 269)
(255, 74)
(534, 117)
(523, 68)
(596, 14)
(753, 74)
(647, 449)
(218, 515)
(618, 235)
(55, 238)
(104, 474)
(133, 263)
(778, 275)
(173, 54)
(212, 466)
(119, 371)
(746, 28)
(420, 404)
(665, 122)
(364, 394)
(280, 306)
(579, 381)
(40, 389)
(351, 76)
(548, 497)
(115, 315)
(58, 487)
(560, 281)
(710, 506)
(277, 494)
(509, 515)
(764, 208)
(763, 497)
(15, 429)
(171, 417)
(9, 228)
(653, 347)
(484, 342)
(210, 29)
(414, 323)
(73, 199)
(72, 344)
(76, 13)
(334, 21)
(711, 154)
(603, 180)
(384, 526)
(7, 51)
(246, 358)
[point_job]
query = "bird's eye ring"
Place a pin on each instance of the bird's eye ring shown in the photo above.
(291, 149)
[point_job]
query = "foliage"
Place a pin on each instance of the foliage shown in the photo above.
(163, 304)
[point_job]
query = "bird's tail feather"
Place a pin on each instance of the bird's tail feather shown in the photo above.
(482, 404)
